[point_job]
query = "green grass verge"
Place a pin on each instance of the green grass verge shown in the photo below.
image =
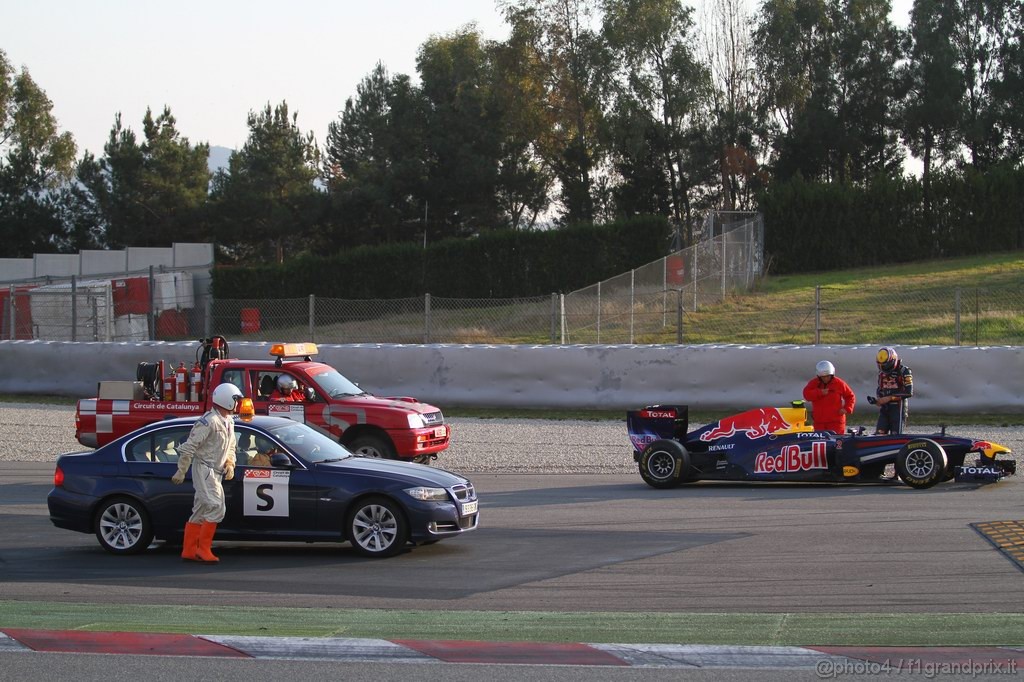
(791, 629)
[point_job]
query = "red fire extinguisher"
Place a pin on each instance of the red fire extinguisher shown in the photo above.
(181, 383)
(197, 382)
(169, 387)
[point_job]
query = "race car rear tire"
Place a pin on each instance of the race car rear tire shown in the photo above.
(921, 463)
(665, 464)
(122, 526)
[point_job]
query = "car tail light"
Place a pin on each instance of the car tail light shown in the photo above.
(58, 478)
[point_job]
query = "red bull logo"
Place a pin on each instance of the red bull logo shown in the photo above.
(756, 423)
(790, 459)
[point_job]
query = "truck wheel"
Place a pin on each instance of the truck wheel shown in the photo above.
(122, 526)
(376, 527)
(921, 463)
(665, 464)
(372, 445)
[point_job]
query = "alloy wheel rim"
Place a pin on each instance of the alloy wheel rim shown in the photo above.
(375, 528)
(121, 526)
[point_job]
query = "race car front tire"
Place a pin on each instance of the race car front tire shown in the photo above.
(921, 463)
(665, 464)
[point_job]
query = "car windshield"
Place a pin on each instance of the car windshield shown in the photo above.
(310, 445)
(334, 384)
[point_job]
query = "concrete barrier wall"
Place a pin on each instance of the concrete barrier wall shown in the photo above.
(946, 379)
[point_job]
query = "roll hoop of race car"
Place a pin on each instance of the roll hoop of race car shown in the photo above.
(776, 444)
(292, 482)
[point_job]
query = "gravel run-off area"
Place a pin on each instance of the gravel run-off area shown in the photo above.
(38, 433)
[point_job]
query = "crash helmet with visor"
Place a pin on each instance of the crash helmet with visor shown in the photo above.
(887, 359)
(225, 395)
(286, 383)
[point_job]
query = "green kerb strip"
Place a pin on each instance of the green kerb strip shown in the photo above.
(787, 629)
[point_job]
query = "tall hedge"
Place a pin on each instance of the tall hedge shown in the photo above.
(492, 265)
(818, 227)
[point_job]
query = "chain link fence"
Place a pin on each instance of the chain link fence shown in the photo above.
(695, 295)
(646, 305)
(156, 303)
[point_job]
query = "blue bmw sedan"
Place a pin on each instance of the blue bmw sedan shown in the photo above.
(291, 483)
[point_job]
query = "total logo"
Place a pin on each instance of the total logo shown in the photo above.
(791, 459)
(657, 414)
(992, 471)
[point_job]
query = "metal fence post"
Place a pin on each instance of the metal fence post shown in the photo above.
(312, 316)
(632, 301)
(956, 332)
(93, 300)
(74, 308)
(426, 318)
(599, 312)
(817, 315)
(208, 324)
(13, 316)
(977, 317)
(750, 254)
(679, 315)
(151, 316)
(561, 305)
(723, 266)
(693, 269)
(554, 316)
(664, 292)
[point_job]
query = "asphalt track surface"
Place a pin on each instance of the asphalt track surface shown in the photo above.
(577, 543)
(565, 542)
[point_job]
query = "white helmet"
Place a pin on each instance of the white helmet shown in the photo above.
(225, 395)
(825, 369)
(286, 382)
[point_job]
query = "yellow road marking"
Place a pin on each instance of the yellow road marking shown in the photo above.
(1006, 536)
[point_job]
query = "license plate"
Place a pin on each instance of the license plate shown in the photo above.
(440, 432)
(469, 508)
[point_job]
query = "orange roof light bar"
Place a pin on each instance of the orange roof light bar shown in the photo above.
(293, 350)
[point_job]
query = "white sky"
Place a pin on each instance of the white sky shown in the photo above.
(215, 61)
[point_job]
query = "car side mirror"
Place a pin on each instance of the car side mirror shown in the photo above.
(281, 460)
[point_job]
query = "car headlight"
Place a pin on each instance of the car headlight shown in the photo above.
(416, 421)
(427, 494)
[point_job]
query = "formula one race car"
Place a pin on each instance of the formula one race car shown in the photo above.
(776, 444)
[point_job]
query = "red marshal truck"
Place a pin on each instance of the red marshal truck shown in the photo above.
(390, 428)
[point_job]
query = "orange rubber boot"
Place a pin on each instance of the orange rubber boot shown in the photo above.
(204, 550)
(188, 549)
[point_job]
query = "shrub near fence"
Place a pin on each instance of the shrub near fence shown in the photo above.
(493, 265)
(833, 226)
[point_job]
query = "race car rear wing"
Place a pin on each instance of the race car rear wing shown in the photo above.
(657, 422)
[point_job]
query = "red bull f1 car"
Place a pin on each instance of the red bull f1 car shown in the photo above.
(776, 444)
